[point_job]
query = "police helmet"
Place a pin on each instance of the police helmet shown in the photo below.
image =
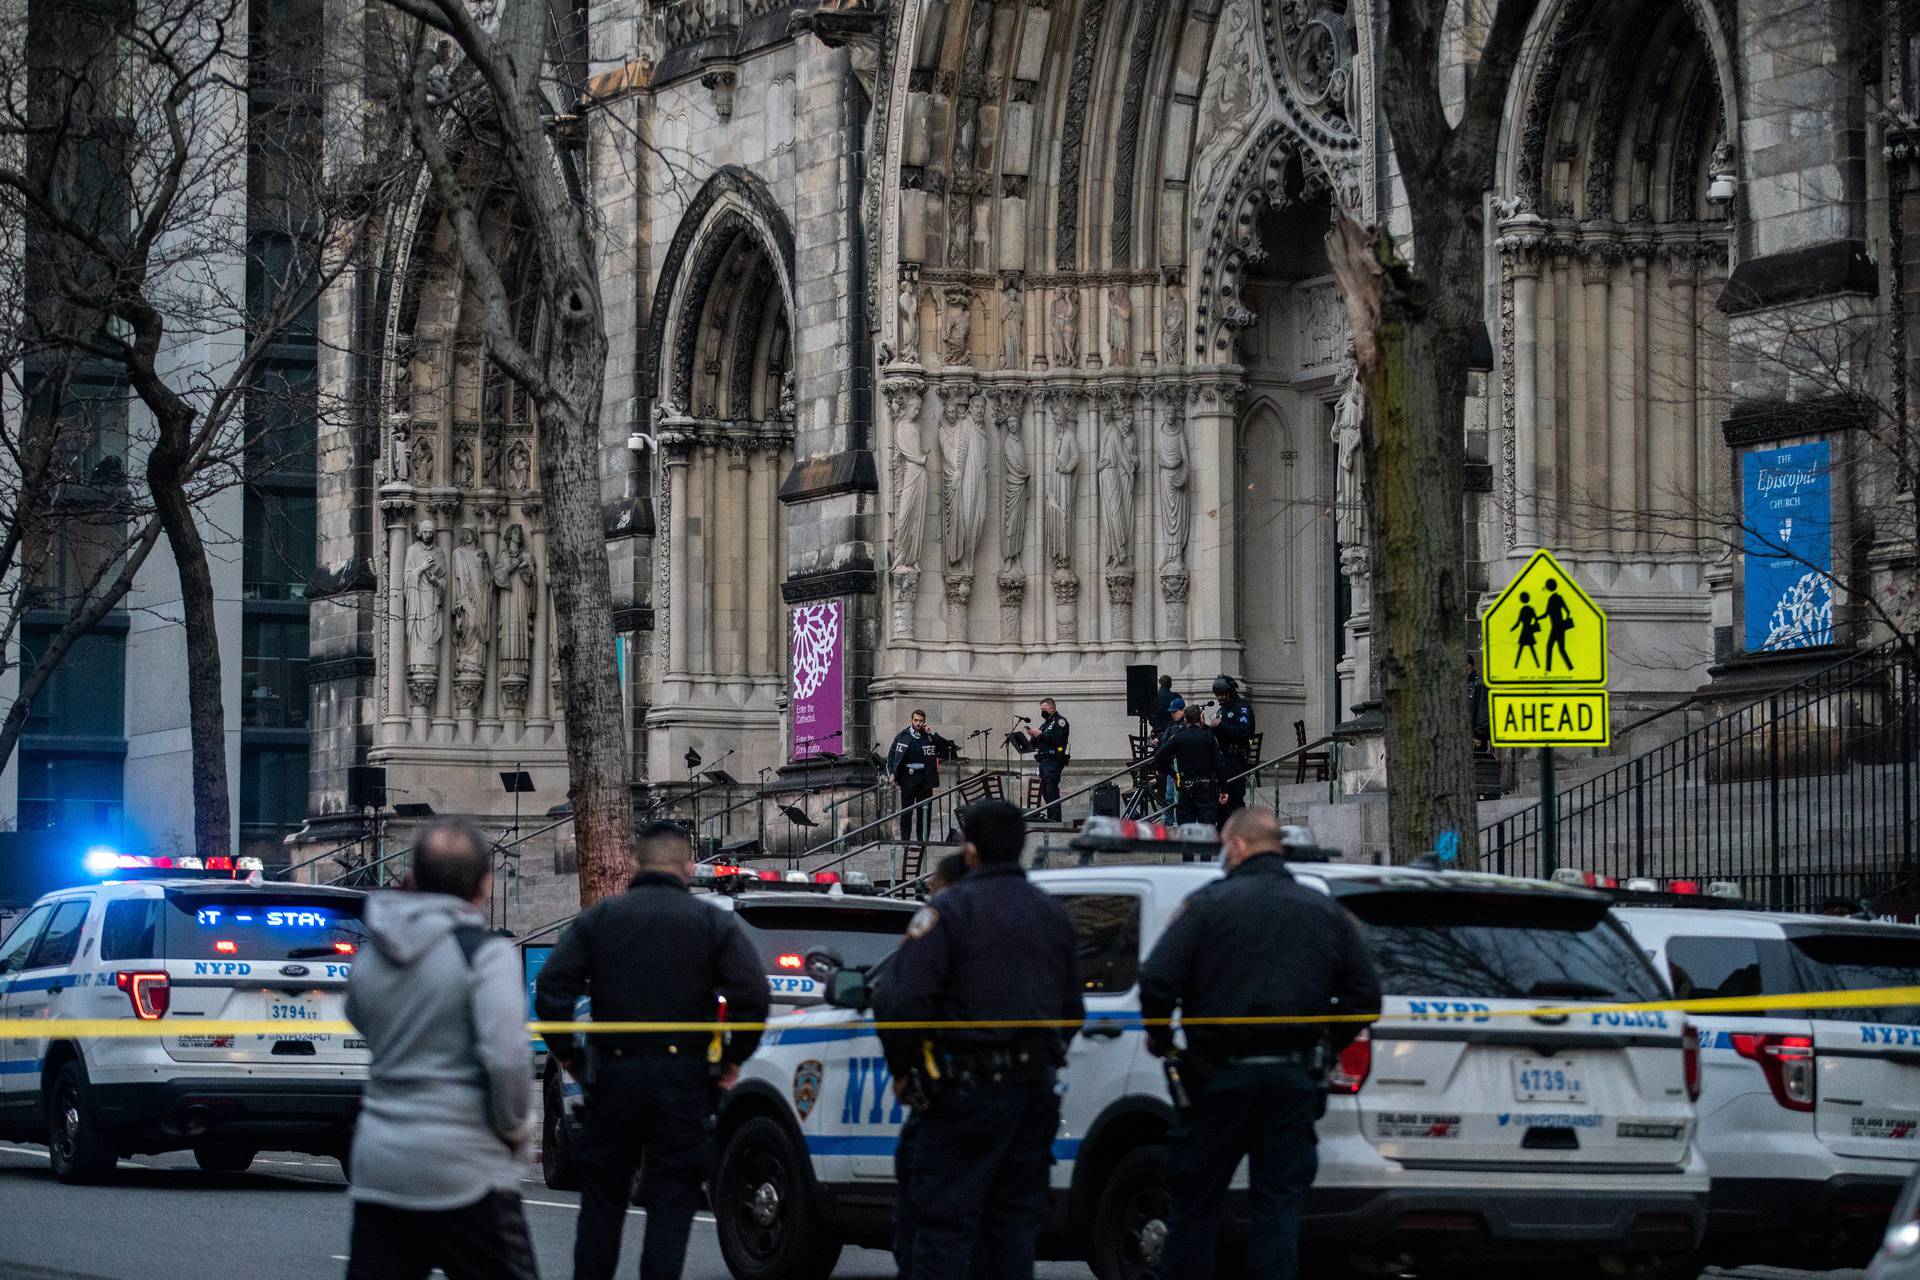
(1224, 686)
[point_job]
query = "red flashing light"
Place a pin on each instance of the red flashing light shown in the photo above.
(725, 869)
(147, 992)
(345, 948)
(1786, 1061)
(219, 863)
(826, 877)
(767, 873)
(1684, 886)
(226, 947)
(790, 960)
(1353, 1066)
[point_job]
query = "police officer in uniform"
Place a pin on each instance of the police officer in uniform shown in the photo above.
(913, 762)
(1192, 755)
(652, 954)
(993, 948)
(1255, 944)
(1050, 753)
(1235, 729)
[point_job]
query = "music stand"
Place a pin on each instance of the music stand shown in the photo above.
(414, 810)
(516, 781)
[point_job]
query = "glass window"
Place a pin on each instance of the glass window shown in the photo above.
(1106, 930)
(860, 936)
(131, 930)
(1501, 947)
(70, 790)
(273, 786)
(1858, 962)
(13, 952)
(281, 420)
(84, 693)
(278, 557)
(1710, 968)
(273, 673)
(213, 925)
(61, 942)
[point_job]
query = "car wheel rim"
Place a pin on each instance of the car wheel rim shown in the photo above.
(1145, 1232)
(67, 1139)
(758, 1203)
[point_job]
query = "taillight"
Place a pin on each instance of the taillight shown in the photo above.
(147, 992)
(1690, 1058)
(790, 960)
(1786, 1061)
(1351, 1068)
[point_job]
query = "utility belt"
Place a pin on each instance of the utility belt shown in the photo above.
(1050, 755)
(1000, 1066)
(1195, 784)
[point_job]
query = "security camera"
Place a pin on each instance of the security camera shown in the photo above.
(640, 441)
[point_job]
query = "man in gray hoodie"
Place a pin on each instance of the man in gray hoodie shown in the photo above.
(448, 1111)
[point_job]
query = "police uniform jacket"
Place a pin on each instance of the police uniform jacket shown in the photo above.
(1192, 753)
(656, 953)
(1259, 944)
(1052, 742)
(992, 948)
(914, 757)
(1235, 729)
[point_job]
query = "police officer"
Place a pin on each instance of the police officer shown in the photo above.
(1254, 944)
(1050, 753)
(993, 948)
(947, 873)
(1192, 755)
(1234, 728)
(913, 762)
(652, 954)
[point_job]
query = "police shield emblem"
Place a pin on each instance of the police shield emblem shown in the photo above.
(806, 1086)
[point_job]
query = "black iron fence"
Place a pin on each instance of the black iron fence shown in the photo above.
(1803, 796)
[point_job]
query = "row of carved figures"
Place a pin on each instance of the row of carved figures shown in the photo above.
(956, 305)
(413, 454)
(495, 600)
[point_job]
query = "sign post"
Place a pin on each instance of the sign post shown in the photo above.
(1543, 656)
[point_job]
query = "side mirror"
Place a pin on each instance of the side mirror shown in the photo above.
(847, 989)
(823, 963)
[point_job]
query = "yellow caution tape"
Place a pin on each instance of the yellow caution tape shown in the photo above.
(122, 1028)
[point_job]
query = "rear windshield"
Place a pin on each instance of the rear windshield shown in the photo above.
(1500, 947)
(1858, 962)
(259, 926)
(858, 936)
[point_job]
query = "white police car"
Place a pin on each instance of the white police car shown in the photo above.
(1453, 1135)
(173, 942)
(1809, 1119)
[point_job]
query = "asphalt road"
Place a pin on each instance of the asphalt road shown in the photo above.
(286, 1219)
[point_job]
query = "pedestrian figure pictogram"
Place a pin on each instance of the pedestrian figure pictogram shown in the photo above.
(1543, 630)
(1559, 622)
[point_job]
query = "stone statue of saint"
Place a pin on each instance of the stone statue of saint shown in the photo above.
(956, 327)
(1061, 477)
(1350, 507)
(513, 578)
(1119, 327)
(1013, 486)
(1118, 471)
(910, 456)
(420, 459)
(424, 576)
(490, 460)
(1173, 327)
(1170, 452)
(909, 322)
(519, 467)
(963, 464)
(1066, 328)
(472, 604)
(463, 471)
(788, 403)
(1013, 326)
(402, 428)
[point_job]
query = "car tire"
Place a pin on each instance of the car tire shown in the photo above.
(557, 1167)
(1130, 1223)
(80, 1149)
(764, 1208)
(224, 1159)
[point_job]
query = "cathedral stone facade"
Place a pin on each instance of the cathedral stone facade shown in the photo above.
(968, 351)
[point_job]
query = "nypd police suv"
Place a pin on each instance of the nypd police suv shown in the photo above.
(175, 942)
(1461, 1127)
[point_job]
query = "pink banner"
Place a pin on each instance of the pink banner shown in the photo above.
(818, 656)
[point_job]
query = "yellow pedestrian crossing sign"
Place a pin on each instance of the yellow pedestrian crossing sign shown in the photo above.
(1543, 656)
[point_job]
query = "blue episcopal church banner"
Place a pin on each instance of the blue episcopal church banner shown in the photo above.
(1787, 510)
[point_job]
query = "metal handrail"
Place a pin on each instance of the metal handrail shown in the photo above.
(493, 851)
(1251, 773)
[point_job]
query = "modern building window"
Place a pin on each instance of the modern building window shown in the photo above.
(278, 561)
(273, 673)
(83, 696)
(71, 790)
(273, 788)
(281, 411)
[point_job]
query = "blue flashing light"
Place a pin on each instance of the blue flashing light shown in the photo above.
(101, 861)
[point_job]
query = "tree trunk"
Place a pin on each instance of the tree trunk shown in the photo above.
(206, 712)
(583, 606)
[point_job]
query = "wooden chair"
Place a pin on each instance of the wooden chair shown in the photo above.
(1141, 747)
(913, 858)
(979, 787)
(1322, 761)
(1033, 793)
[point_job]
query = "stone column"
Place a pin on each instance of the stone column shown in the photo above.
(398, 513)
(1625, 479)
(1212, 404)
(678, 453)
(539, 699)
(761, 551)
(445, 507)
(1520, 252)
(1060, 490)
(735, 600)
(1176, 524)
(1589, 489)
(1650, 476)
(1117, 472)
(1683, 274)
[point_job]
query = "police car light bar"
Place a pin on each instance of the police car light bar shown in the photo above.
(104, 863)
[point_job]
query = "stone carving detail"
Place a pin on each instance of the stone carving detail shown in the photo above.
(400, 426)
(1073, 134)
(1013, 591)
(906, 592)
(1173, 594)
(1530, 170)
(963, 468)
(1066, 599)
(959, 594)
(956, 326)
(1066, 328)
(1007, 410)
(519, 467)
(1013, 324)
(1126, 134)
(1117, 475)
(1062, 477)
(464, 472)
(490, 459)
(1312, 50)
(1323, 326)
(1119, 327)
(1120, 598)
(513, 577)
(472, 617)
(909, 304)
(425, 576)
(1606, 137)
(1170, 452)
(1235, 96)
(420, 459)
(1173, 327)
(1349, 426)
(909, 472)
